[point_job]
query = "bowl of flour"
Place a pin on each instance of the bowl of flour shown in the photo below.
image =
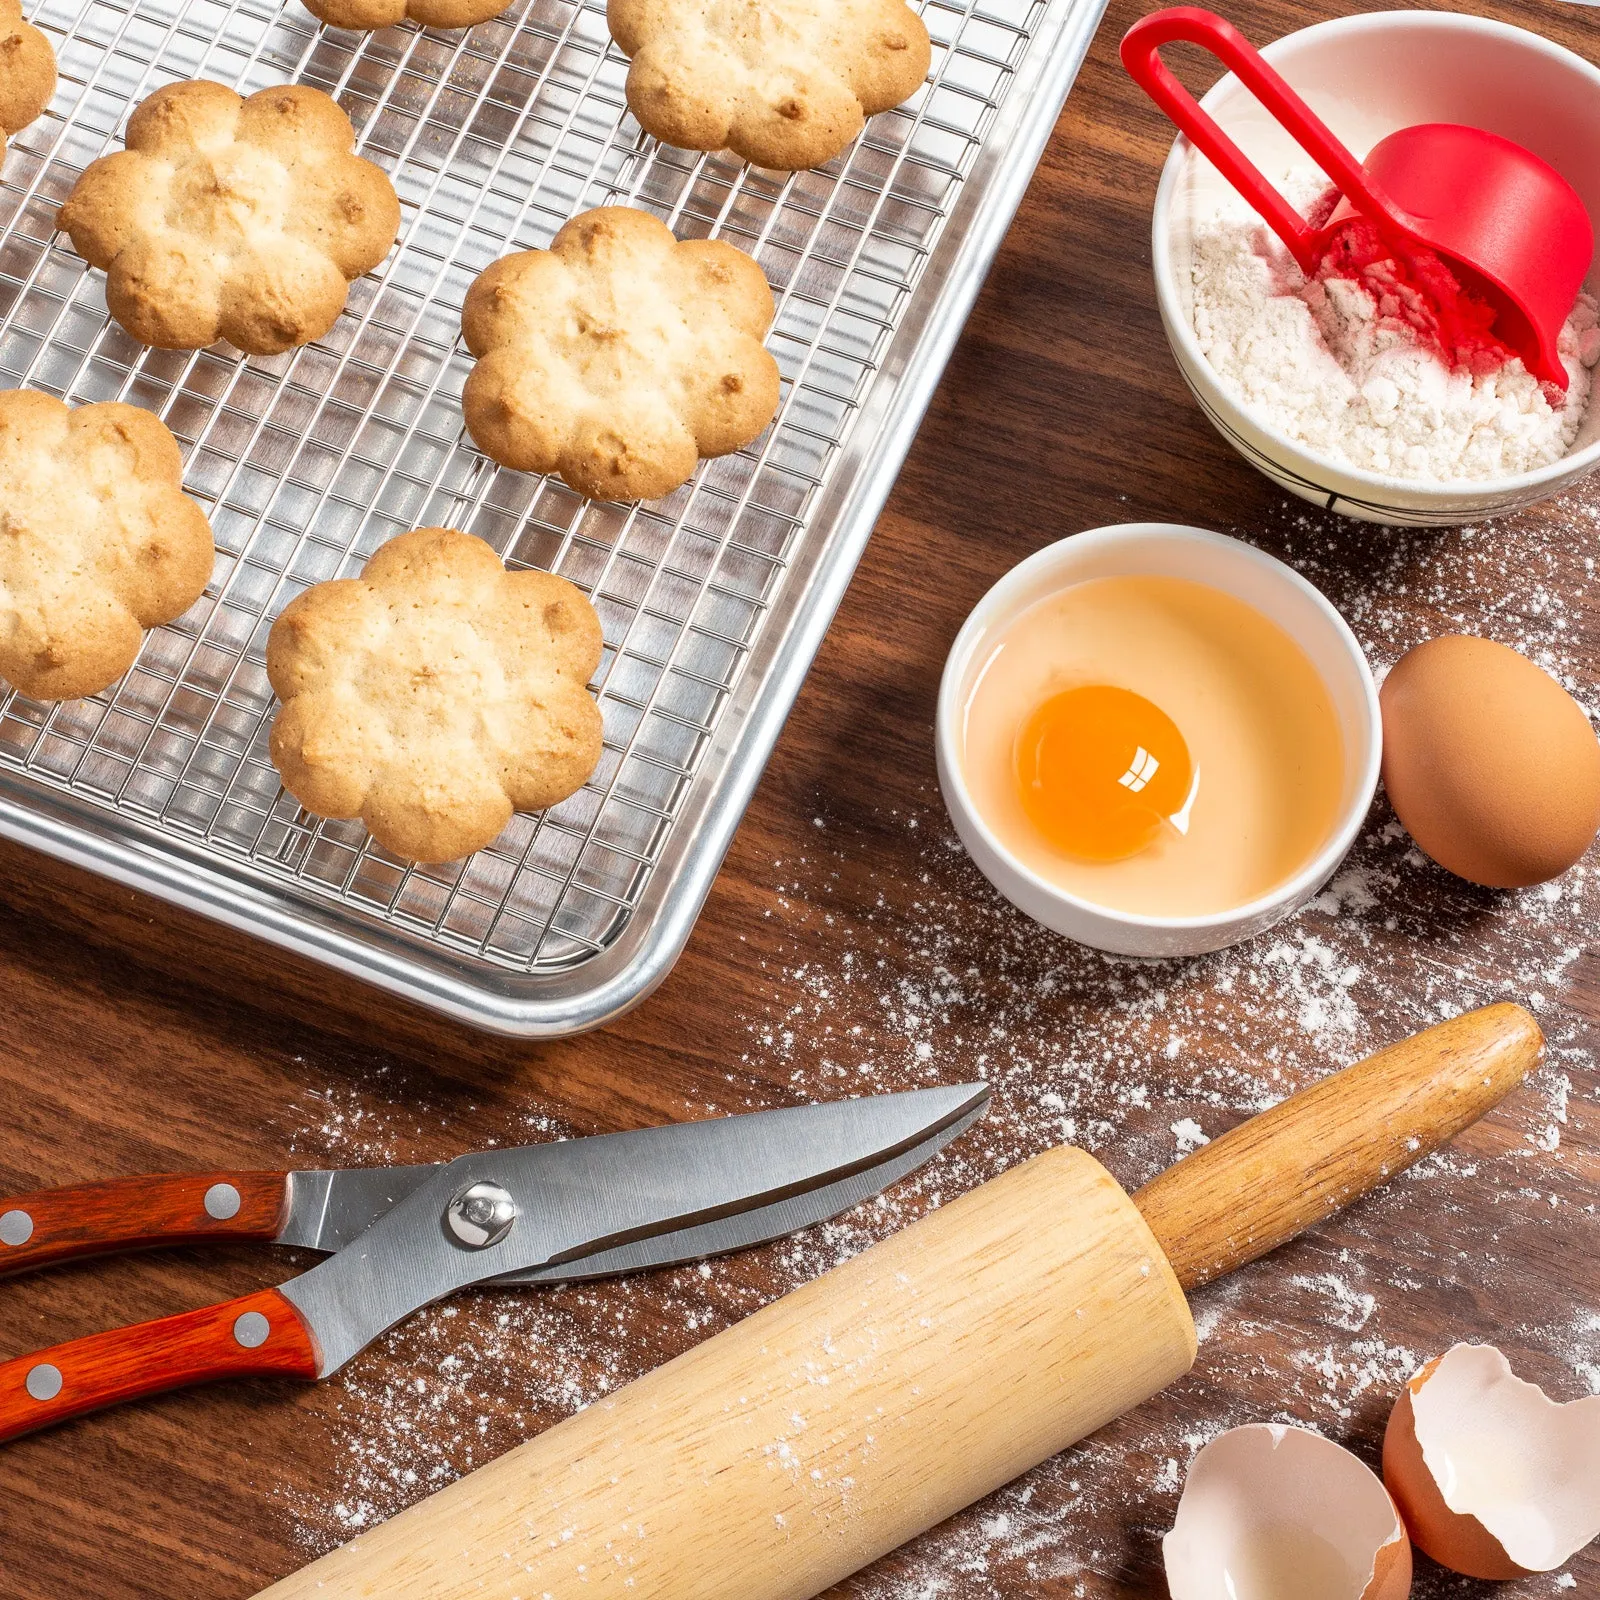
(1325, 385)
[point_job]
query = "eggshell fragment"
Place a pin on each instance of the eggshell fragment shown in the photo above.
(1270, 1511)
(1490, 764)
(1494, 1479)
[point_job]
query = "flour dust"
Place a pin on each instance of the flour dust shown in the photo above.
(874, 978)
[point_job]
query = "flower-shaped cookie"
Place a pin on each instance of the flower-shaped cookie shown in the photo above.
(27, 71)
(435, 694)
(365, 14)
(782, 83)
(233, 219)
(619, 356)
(97, 541)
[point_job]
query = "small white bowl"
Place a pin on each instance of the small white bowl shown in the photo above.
(1239, 569)
(1365, 76)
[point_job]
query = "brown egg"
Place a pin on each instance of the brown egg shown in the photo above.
(1490, 764)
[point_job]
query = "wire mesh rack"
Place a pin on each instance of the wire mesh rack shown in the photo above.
(713, 601)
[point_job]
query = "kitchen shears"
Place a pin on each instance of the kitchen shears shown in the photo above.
(399, 1238)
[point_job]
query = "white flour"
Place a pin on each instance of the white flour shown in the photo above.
(1329, 366)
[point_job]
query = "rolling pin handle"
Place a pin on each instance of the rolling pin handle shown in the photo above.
(1262, 1183)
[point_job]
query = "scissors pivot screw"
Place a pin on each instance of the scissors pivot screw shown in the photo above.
(481, 1215)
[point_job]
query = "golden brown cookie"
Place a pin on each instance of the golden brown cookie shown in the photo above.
(233, 219)
(618, 357)
(435, 694)
(97, 541)
(27, 71)
(781, 83)
(359, 15)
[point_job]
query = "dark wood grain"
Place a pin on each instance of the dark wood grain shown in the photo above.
(139, 1213)
(134, 1038)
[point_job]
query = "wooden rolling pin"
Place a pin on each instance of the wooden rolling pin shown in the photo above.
(780, 1456)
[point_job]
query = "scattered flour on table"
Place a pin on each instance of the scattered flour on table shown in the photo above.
(1335, 369)
(872, 980)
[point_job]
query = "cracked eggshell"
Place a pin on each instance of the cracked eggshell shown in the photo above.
(1272, 1510)
(1494, 1479)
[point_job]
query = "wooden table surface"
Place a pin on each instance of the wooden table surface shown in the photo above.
(849, 945)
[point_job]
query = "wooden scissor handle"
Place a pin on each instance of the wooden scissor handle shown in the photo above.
(90, 1219)
(259, 1335)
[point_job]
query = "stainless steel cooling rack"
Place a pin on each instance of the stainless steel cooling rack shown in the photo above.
(713, 601)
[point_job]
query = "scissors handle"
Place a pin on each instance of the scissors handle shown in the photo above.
(91, 1219)
(259, 1335)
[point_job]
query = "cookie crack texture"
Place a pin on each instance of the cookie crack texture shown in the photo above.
(619, 356)
(782, 83)
(27, 71)
(226, 218)
(435, 695)
(98, 542)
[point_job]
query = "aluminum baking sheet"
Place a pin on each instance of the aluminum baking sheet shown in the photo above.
(713, 600)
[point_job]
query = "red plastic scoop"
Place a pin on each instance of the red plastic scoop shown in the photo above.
(1509, 227)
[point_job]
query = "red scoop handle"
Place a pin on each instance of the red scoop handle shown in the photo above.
(91, 1219)
(1191, 25)
(260, 1335)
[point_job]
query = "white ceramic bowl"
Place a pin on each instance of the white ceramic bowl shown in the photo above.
(1366, 76)
(1239, 569)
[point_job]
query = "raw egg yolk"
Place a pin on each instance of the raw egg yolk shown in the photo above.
(1099, 770)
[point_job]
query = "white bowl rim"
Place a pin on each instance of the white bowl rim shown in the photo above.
(1288, 893)
(1167, 289)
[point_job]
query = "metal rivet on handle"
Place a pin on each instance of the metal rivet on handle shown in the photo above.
(251, 1330)
(44, 1382)
(16, 1227)
(222, 1202)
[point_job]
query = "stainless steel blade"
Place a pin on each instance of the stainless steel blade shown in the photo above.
(577, 1197)
(745, 1228)
(329, 1209)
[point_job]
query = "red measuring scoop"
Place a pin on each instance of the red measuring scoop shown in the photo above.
(1507, 224)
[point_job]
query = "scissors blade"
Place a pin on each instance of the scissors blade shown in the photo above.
(746, 1228)
(328, 1209)
(576, 1198)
